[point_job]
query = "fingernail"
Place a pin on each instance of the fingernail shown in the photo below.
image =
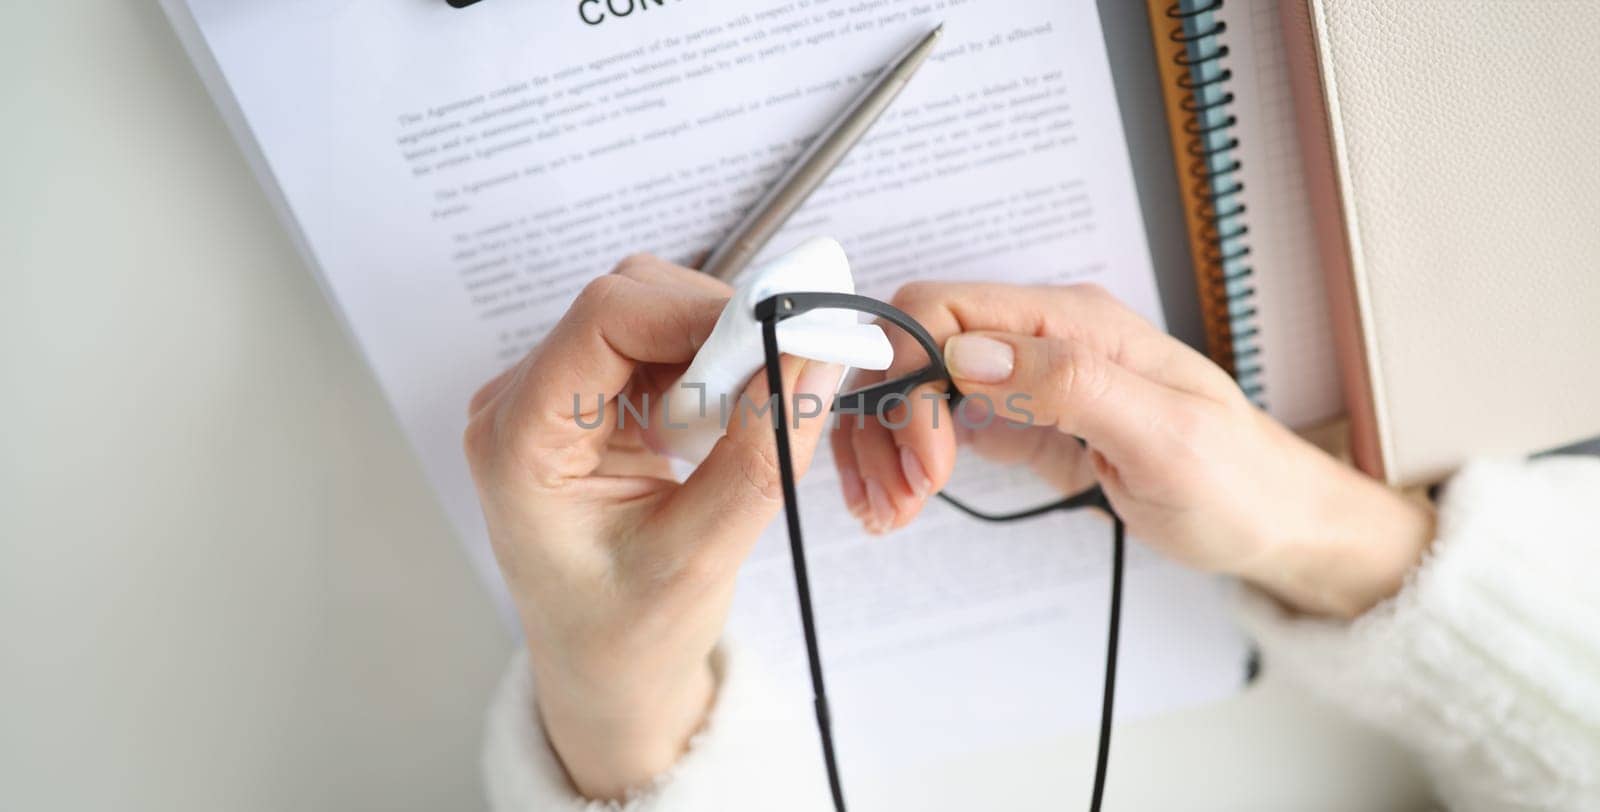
(819, 380)
(855, 494)
(979, 358)
(882, 511)
(916, 475)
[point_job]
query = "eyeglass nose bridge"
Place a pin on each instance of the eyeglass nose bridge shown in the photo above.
(870, 399)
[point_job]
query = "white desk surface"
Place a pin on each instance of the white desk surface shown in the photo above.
(223, 581)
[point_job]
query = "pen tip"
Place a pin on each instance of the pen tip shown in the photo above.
(938, 30)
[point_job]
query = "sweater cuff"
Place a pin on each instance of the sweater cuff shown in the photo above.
(1487, 661)
(755, 752)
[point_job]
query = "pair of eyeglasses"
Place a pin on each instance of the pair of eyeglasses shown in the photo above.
(871, 399)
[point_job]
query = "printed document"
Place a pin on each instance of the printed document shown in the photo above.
(455, 176)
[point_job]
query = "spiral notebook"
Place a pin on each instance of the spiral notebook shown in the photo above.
(1225, 79)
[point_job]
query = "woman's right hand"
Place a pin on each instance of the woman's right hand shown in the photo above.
(1195, 469)
(622, 575)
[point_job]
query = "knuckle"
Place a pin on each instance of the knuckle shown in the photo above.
(543, 459)
(1091, 292)
(926, 303)
(1189, 426)
(1075, 374)
(917, 295)
(1095, 298)
(477, 440)
(594, 296)
(633, 263)
(495, 452)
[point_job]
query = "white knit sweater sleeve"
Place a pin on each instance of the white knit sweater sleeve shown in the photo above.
(756, 752)
(1487, 662)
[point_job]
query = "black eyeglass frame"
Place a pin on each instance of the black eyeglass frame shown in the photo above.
(775, 309)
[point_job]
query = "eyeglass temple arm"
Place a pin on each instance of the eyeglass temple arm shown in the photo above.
(770, 312)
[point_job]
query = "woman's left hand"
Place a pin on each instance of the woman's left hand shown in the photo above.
(1195, 469)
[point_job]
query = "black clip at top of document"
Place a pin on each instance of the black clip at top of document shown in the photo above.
(460, 3)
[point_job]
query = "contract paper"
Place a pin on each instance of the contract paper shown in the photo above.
(456, 176)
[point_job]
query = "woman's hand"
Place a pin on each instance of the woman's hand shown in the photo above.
(1192, 466)
(621, 575)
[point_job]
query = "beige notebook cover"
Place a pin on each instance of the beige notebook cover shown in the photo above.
(1453, 154)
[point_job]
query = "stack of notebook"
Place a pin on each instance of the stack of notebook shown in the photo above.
(1392, 211)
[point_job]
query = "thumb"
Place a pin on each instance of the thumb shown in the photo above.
(1069, 385)
(726, 503)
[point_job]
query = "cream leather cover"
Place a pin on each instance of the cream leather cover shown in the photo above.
(1454, 152)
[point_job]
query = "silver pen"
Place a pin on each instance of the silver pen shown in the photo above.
(815, 164)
